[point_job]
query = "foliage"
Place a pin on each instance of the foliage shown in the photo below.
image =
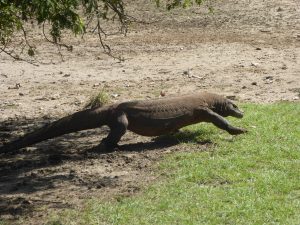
(249, 179)
(74, 15)
(59, 15)
(98, 100)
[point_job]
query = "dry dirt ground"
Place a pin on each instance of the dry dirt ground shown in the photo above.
(248, 50)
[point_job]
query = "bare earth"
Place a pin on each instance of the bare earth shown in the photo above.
(248, 50)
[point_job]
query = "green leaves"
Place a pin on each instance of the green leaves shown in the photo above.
(30, 52)
(59, 14)
(9, 21)
(74, 15)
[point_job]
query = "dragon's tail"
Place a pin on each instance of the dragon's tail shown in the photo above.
(83, 120)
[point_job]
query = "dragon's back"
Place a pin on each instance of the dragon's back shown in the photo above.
(160, 116)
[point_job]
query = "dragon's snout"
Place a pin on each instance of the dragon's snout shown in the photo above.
(238, 114)
(235, 111)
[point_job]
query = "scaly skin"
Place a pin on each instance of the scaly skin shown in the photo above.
(144, 117)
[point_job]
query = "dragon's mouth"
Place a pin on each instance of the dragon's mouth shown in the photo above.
(237, 113)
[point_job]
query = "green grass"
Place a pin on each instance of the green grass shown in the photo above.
(98, 100)
(248, 179)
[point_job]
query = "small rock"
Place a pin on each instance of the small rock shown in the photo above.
(258, 49)
(114, 95)
(96, 85)
(186, 72)
(284, 67)
(265, 30)
(30, 149)
(42, 99)
(255, 64)
(296, 98)
(78, 103)
(162, 93)
(254, 83)
(100, 185)
(26, 202)
(164, 71)
(232, 97)
(279, 9)
(269, 77)
(167, 151)
(54, 97)
(67, 75)
(17, 86)
(21, 94)
(244, 87)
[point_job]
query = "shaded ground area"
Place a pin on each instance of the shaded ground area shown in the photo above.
(247, 50)
(66, 171)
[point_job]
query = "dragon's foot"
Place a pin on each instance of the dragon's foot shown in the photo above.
(237, 131)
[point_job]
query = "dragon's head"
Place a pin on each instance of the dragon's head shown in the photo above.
(225, 107)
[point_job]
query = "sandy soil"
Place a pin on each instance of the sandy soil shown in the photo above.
(248, 50)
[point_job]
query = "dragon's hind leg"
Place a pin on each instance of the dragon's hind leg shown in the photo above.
(118, 128)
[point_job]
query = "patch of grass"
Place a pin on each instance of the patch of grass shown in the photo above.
(2, 222)
(11, 106)
(248, 179)
(98, 100)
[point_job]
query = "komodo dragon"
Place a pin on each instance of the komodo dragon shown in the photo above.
(144, 117)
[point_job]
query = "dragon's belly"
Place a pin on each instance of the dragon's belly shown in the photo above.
(156, 126)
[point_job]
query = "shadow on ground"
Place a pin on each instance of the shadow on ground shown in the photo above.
(33, 169)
